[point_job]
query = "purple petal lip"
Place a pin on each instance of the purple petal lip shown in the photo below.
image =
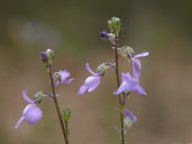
(90, 84)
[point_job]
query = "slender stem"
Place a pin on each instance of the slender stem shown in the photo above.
(66, 126)
(120, 96)
(57, 107)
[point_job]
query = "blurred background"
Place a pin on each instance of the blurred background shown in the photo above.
(71, 28)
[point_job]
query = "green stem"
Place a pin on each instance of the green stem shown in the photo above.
(120, 96)
(57, 107)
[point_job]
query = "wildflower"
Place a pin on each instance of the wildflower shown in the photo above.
(137, 64)
(91, 82)
(32, 112)
(104, 35)
(129, 83)
(62, 77)
(129, 119)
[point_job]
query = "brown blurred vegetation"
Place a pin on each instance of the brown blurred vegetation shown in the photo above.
(71, 28)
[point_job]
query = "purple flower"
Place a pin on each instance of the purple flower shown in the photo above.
(137, 64)
(32, 112)
(129, 119)
(62, 77)
(44, 55)
(91, 82)
(129, 84)
(104, 35)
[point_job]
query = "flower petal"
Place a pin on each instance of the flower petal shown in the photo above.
(24, 93)
(82, 90)
(94, 83)
(140, 90)
(90, 70)
(126, 77)
(19, 121)
(32, 113)
(136, 67)
(67, 81)
(143, 54)
(122, 88)
(64, 74)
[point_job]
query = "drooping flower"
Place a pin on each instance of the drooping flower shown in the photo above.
(136, 64)
(129, 83)
(129, 119)
(91, 82)
(62, 77)
(32, 112)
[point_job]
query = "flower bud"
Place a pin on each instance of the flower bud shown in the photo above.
(126, 51)
(111, 37)
(114, 25)
(44, 57)
(57, 77)
(38, 97)
(50, 54)
(67, 114)
(47, 56)
(101, 69)
(129, 119)
(104, 35)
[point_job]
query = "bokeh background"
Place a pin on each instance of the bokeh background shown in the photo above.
(71, 28)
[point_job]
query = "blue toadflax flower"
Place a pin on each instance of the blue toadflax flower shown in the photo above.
(129, 119)
(62, 77)
(91, 82)
(129, 83)
(32, 112)
(137, 64)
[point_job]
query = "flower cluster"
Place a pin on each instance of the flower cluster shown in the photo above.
(130, 82)
(32, 112)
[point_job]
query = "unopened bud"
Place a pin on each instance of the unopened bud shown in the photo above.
(126, 51)
(67, 114)
(114, 25)
(103, 67)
